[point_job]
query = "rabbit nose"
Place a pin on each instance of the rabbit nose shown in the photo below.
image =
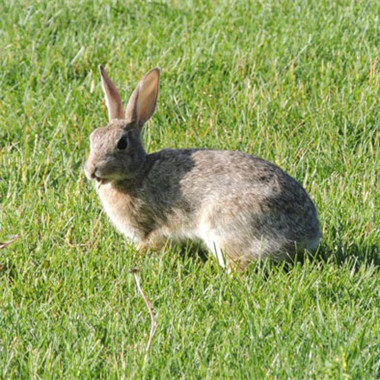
(90, 172)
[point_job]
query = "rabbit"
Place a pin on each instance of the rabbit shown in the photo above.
(241, 207)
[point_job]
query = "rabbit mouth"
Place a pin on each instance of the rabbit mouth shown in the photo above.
(99, 181)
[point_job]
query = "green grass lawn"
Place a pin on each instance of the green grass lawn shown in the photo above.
(295, 82)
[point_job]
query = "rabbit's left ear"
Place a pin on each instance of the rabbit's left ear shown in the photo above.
(143, 100)
(112, 96)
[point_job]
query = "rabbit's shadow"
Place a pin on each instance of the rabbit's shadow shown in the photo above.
(355, 255)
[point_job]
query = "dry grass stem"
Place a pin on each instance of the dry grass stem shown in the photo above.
(153, 322)
(6, 243)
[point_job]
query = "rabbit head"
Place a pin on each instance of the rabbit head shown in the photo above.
(116, 151)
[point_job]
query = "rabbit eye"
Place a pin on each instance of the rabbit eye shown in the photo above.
(122, 143)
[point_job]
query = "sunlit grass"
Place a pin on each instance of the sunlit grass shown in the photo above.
(295, 82)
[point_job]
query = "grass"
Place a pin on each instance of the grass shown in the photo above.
(295, 82)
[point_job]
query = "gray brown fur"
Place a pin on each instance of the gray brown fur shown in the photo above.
(239, 206)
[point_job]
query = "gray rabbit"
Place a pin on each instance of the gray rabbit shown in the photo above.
(240, 207)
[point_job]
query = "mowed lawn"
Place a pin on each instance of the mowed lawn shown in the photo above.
(295, 82)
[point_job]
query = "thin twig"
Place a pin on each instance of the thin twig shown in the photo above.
(6, 243)
(153, 322)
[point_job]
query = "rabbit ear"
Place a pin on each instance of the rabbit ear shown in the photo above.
(143, 100)
(113, 100)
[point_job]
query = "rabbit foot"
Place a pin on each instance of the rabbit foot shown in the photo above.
(149, 245)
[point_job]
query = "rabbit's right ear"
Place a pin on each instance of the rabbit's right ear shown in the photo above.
(143, 100)
(113, 100)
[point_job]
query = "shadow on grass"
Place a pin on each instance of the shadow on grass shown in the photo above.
(356, 254)
(340, 253)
